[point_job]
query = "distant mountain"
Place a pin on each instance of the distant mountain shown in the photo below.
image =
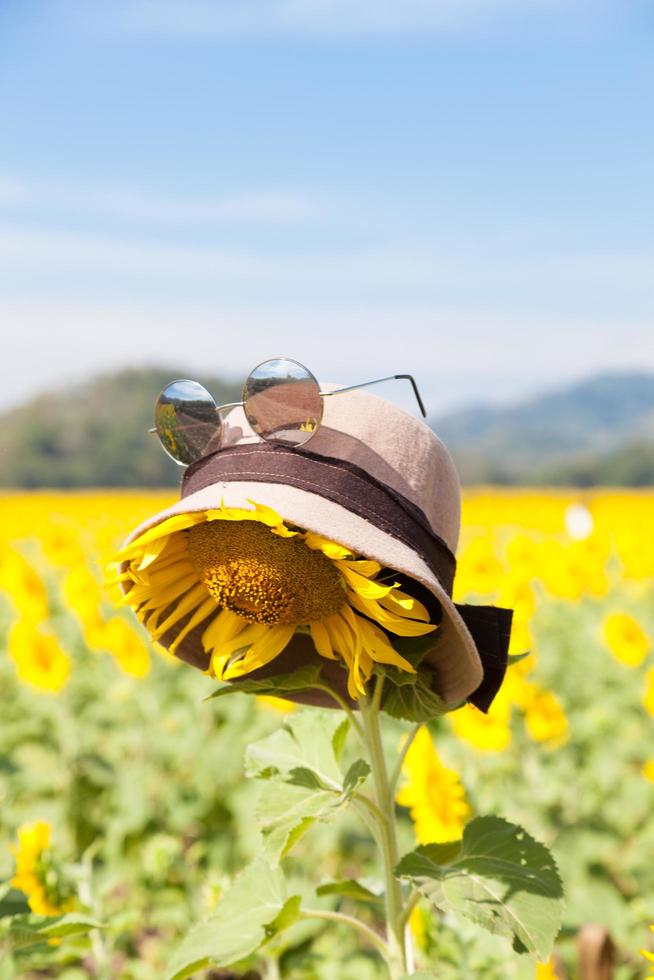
(94, 434)
(598, 430)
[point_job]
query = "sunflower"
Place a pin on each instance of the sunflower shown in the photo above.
(37, 872)
(251, 581)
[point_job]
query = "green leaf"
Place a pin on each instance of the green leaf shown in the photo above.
(515, 658)
(12, 902)
(305, 777)
(305, 677)
(253, 910)
(301, 778)
(355, 776)
(350, 889)
(413, 648)
(306, 741)
(286, 811)
(442, 853)
(339, 737)
(288, 916)
(22, 931)
(502, 879)
(414, 701)
(422, 975)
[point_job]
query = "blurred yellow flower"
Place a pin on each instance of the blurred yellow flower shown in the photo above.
(561, 572)
(83, 595)
(648, 695)
(281, 706)
(40, 660)
(546, 971)
(26, 590)
(433, 793)
(33, 873)
(649, 956)
(479, 570)
(485, 732)
(60, 544)
(123, 642)
(544, 717)
(626, 639)
(418, 925)
(648, 770)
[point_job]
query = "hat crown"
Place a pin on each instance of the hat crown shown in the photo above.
(391, 445)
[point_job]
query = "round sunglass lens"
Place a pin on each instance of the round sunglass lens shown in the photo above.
(282, 402)
(186, 421)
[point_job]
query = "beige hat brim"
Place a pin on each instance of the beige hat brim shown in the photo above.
(454, 658)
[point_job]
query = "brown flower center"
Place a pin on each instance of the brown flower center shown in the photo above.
(262, 577)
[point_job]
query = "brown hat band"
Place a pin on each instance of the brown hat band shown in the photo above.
(338, 480)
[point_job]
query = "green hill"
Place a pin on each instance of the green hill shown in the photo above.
(94, 434)
(600, 431)
(587, 432)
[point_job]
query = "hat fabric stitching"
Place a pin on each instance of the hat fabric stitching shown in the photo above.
(408, 505)
(338, 496)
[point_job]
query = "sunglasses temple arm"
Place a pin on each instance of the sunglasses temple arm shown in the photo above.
(377, 381)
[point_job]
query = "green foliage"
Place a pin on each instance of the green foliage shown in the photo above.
(254, 909)
(501, 878)
(149, 778)
(275, 686)
(409, 697)
(415, 701)
(95, 434)
(20, 931)
(302, 781)
(349, 889)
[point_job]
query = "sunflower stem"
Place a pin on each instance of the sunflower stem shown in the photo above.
(405, 748)
(369, 934)
(356, 724)
(395, 924)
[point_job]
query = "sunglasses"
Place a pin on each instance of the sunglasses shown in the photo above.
(282, 402)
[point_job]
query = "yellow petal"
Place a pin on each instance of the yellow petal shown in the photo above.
(405, 605)
(363, 586)
(329, 548)
(376, 644)
(365, 566)
(396, 624)
(346, 640)
(183, 607)
(265, 649)
(245, 638)
(179, 522)
(320, 638)
(151, 552)
(158, 599)
(222, 629)
(204, 610)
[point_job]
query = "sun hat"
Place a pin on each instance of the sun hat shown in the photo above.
(380, 483)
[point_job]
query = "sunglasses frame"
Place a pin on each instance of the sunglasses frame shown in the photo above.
(322, 394)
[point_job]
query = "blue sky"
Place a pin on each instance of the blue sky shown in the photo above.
(461, 189)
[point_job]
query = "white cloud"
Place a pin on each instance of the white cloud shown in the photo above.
(322, 19)
(276, 206)
(517, 273)
(456, 357)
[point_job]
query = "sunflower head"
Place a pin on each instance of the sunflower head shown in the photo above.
(250, 590)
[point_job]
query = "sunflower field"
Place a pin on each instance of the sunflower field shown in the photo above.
(127, 814)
